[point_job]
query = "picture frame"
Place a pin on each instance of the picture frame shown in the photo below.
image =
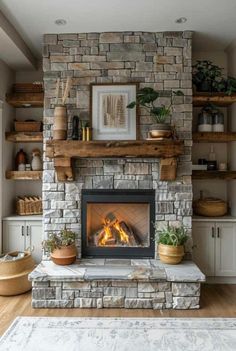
(110, 118)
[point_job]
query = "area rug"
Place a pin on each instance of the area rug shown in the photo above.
(120, 334)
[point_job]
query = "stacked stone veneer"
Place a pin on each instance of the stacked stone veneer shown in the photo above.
(114, 283)
(158, 60)
(115, 294)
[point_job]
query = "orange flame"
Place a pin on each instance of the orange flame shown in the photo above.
(108, 235)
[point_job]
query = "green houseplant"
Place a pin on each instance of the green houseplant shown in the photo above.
(208, 77)
(146, 97)
(61, 247)
(171, 242)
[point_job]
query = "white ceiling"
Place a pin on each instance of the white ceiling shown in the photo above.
(214, 21)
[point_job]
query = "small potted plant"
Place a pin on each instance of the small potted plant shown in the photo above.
(146, 98)
(171, 242)
(61, 247)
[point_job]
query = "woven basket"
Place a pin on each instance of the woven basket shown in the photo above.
(27, 88)
(29, 205)
(210, 207)
(27, 126)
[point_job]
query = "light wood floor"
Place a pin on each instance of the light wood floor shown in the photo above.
(216, 301)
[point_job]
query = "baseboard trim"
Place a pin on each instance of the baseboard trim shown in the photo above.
(221, 280)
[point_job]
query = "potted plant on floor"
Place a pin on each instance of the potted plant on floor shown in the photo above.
(61, 247)
(146, 97)
(171, 242)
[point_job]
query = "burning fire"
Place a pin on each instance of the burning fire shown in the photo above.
(108, 233)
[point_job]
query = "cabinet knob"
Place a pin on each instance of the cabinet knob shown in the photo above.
(22, 230)
(212, 232)
(218, 232)
(27, 230)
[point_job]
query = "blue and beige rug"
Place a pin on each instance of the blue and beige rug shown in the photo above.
(120, 334)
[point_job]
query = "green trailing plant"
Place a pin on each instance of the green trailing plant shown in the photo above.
(208, 77)
(171, 235)
(56, 241)
(146, 98)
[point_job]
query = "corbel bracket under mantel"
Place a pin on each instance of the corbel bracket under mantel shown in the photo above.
(62, 151)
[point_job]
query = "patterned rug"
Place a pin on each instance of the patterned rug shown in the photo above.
(120, 334)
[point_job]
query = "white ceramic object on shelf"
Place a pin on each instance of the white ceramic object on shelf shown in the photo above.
(36, 163)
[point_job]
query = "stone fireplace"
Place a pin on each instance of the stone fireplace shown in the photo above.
(118, 223)
(112, 203)
(161, 60)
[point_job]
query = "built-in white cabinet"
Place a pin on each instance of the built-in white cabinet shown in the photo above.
(20, 235)
(214, 247)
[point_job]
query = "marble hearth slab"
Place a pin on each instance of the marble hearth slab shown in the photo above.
(118, 269)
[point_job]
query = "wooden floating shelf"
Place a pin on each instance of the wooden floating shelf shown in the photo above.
(219, 99)
(25, 99)
(24, 175)
(223, 175)
(24, 137)
(214, 137)
(62, 151)
(129, 148)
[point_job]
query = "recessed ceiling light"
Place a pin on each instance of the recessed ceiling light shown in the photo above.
(60, 22)
(181, 20)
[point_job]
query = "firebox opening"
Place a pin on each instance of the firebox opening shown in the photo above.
(117, 223)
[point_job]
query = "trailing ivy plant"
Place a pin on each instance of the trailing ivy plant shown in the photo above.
(171, 235)
(146, 97)
(56, 241)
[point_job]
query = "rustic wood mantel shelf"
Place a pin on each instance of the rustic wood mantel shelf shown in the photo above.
(63, 151)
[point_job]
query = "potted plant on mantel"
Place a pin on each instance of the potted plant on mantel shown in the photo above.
(146, 98)
(61, 247)
(171, 242)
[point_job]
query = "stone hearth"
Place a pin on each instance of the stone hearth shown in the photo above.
(117, 283)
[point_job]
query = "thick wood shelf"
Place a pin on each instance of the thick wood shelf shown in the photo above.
(219, 99)
(25, 99)
(24, 175)
(24, 137)
(129, 148)
(204, 175)
(214, 137)
(62, 151)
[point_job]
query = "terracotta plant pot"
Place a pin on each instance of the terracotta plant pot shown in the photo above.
(171, 254)
(65, 255)
(14, 275)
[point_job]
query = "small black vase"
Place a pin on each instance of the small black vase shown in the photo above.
(75, 128)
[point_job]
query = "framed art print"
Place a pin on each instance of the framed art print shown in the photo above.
(110, 118)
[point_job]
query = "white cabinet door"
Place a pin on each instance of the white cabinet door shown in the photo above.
(34, 239)
(204, 246)
(13, 236)
(225, 259)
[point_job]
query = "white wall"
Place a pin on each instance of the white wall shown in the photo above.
(7, 191)
(231, 52)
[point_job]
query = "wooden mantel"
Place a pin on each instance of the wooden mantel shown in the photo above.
(62, 151)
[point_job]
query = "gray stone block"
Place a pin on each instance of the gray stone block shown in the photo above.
(113, 301)
(138, 303)
(186, 289)
(114, 291)
(185, 303)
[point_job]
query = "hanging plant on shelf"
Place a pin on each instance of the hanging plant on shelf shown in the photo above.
(146, 97)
